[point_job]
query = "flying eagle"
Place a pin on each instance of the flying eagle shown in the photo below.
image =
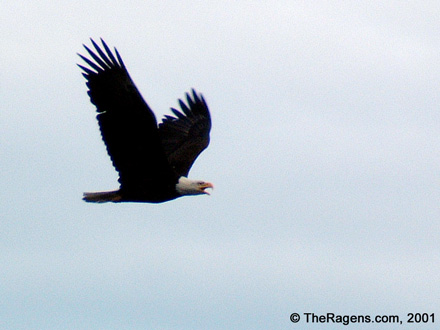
(153, 161)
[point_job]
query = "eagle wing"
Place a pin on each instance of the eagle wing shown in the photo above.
(185, 135)
(128, 126)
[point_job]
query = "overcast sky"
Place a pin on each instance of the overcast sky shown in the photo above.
(324, 154)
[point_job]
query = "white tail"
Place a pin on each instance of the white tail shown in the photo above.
(102, 197)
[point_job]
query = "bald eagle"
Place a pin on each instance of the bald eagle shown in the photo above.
(153, 160)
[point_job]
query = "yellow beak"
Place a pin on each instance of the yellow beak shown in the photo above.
(206, 185)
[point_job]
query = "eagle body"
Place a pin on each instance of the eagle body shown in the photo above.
(153, 161)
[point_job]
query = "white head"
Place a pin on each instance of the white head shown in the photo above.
(186, 186)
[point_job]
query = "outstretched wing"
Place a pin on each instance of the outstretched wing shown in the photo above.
(128, 126)
(186, 135)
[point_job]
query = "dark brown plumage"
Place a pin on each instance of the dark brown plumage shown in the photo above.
(150, 159)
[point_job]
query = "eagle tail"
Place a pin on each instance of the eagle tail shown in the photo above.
(102, 197)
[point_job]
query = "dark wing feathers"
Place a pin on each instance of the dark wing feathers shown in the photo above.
(186, 135)
(143, 154)
(127, 124)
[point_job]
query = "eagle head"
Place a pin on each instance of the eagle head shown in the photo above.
(186, 186)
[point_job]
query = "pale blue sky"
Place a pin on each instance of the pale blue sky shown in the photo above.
(324, 154)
